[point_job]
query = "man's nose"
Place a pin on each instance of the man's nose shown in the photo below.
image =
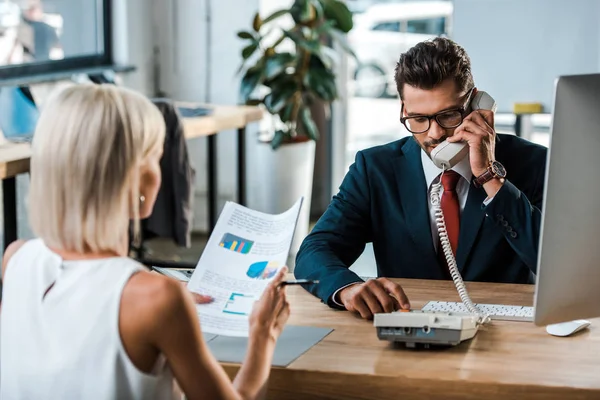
(435, 130)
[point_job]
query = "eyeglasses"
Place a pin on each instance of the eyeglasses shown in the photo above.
(447, 119)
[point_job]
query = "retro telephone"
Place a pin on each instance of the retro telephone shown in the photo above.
(430, 327)
(446, 154)
(445, 159)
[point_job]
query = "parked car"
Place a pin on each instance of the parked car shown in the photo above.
(384, 31)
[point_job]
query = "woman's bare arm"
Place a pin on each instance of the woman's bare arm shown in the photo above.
(158, 315)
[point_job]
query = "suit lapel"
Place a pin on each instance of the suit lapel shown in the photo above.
(470, 223)
(413, 198)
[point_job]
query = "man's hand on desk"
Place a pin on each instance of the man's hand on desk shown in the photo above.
(374, 296)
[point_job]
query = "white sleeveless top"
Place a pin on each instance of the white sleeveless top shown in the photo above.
(67, 345)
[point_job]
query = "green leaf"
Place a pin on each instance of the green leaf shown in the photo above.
(256, 22)
(296, 11)
(337, 11)
(328, 56)
(278, 139)
(275, 101)
(249, 50)
(321, 80)
(245, 35)
(275, 15)
(277, 64)
(312, 46)
(302, 11)
(281, 95)
(249, 82)
(326, 27)
(309, 124)
(286, 113)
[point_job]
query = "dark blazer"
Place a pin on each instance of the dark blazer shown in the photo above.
(383, 200)
(172, 213)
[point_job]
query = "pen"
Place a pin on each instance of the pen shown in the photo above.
(299, 282)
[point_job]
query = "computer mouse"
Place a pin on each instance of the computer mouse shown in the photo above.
(567, 328)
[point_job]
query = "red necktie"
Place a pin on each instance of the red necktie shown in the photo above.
(451, 210)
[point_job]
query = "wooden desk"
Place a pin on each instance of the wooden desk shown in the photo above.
(14, 159)
(506, 360)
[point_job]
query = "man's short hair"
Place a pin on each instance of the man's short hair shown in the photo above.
(429, 63)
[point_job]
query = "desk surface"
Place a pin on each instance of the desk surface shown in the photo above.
(504, 360)
(222, 118)
(14, 157)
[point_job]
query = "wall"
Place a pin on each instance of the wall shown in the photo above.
(188, 51)
(133, 43)
(519, 47)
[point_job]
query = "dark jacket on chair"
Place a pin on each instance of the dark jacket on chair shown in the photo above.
(172, 214)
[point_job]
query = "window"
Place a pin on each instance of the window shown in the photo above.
(387, 27)
(46, 36)
(430, 26)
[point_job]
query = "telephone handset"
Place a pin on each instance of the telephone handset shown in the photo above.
(447, 154)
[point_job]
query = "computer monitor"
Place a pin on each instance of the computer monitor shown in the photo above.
(568, 275)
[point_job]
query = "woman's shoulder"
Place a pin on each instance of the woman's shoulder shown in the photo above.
(153, 297)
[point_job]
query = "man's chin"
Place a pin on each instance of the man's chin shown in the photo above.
(428, 150)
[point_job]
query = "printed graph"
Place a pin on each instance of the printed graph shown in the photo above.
(236, 243)
(263, 270)
(239, 304)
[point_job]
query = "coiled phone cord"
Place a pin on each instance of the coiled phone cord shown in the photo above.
(436, 198)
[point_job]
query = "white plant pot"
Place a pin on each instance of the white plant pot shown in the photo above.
(279, 178)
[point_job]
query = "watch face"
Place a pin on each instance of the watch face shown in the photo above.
(498, 169)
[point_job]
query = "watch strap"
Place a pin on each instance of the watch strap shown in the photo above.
(487, 176)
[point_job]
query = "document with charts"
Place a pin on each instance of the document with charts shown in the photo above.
(243, 254)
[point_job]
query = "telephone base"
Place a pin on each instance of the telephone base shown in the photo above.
(426, 329)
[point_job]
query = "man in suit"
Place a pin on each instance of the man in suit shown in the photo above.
(491, 199)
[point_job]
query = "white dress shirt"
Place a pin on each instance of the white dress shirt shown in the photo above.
(432, 175)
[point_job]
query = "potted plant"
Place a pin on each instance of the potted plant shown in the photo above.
(289, 69)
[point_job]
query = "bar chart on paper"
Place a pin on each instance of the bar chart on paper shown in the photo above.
(236, 243)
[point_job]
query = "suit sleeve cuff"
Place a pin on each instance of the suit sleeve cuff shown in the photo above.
(334, 298)
(330, 286)
(508, 192)
(487, 201)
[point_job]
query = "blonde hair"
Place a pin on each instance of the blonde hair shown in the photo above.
(88, 149)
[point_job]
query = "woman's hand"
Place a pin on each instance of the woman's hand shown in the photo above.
(271, 311)
(198, 298)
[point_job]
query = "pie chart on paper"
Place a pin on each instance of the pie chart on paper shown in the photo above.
(263, 270)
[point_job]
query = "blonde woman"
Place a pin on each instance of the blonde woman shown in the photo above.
(80, 320)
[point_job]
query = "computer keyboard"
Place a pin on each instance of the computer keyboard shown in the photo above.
(497, 312)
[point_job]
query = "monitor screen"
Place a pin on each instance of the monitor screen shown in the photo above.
(44, 36)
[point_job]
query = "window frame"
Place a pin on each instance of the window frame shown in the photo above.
(427, 21)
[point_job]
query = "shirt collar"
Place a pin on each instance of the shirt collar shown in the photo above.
(463, 168)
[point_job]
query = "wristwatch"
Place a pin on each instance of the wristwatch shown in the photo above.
(495, 170)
